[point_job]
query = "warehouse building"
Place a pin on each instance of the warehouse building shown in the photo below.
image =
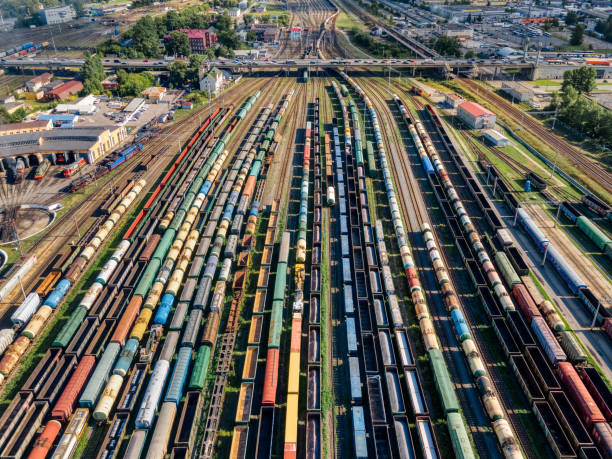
(23, 128)
(65, 90)
(495, 138)
(518, 91)
(58, 14)
(476, 116)
(63, 145)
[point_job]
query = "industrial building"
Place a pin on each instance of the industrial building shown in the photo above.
(453, 100)
(58, 15)
(25, 127)
(65, 90)
(476, 116)
(134, 105)
(265, 32)
(518, 91)
(495, 138)
(154, 94)
(67, 144)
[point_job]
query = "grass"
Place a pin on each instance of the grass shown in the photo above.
(347, 22)
(563, 162)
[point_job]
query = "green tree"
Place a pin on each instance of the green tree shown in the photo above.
(145, 37)
(555, 22)
(447, 46)
(470, 54)
(251, 35)
(132, 84)
(178, 44)
(178, 73)
(92, 74)
(581, 79)
(577, 35)
(571, 18)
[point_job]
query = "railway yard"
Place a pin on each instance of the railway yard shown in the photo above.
(319, 264)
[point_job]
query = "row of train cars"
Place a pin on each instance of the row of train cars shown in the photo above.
(569, 432)
(103, 333)
(23, 50)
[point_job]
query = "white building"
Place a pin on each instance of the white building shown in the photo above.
(496, 138)
(476, 116)
(58, 14)
(518, 91)
(234, 12)
(212, 82)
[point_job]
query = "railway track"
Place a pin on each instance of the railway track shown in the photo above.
(415, 210)
(554, 142)
(57, 238)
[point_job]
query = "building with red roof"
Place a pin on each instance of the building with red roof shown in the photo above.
(199, 39)
(64, 91)
(476, 116)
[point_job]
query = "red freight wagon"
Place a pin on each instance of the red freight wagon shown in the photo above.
(579, 394)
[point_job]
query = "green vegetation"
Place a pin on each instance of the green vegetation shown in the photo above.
(378, 48)
(605, 28)
(446, 46)
(185, 74)
(178, 44)
(571, 18)
(577, 35)
(132, 84)
(92, 74)
(16, 117)
(147, 34)
(579, 112)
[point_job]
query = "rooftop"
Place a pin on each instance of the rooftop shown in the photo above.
(26, 125)
(62, 139)
(41, 78)
(475, 109)
(195, 33)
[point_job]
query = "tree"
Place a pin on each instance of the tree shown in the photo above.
(132, 84)
(251, 35)
(555, 22)
(178, 73)
(92, 74)
(447, 46)
(145, 37)
(571, 18)
(178, 44)
(577, 35)
(581, 79)
(470, 54)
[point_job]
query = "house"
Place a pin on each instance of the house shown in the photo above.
(154, 94)
(110, 83)
(64, 91)
(518, 91)
(260, 8)
(234, 12)
(7, 99)
(23, 128)
(212, 81)
(453, 100)
(243, 5)
(58, 14)
(476, 116)
(199, 39)
(38, 82)
(265, 32)
(186, 105)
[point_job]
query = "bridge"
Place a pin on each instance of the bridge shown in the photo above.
(406, 65)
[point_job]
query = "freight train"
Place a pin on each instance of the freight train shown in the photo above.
(24, 49)
(531, 329)
(111, 162)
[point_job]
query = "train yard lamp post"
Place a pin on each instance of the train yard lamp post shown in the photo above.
(77, 226)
